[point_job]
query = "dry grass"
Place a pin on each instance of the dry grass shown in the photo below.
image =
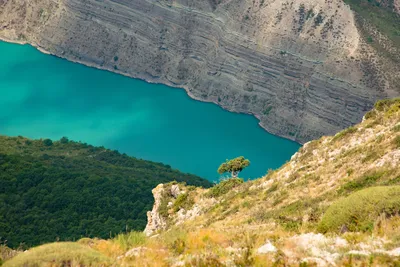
(60, 254)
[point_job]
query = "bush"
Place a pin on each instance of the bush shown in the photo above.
(385, 104)
(163, 208)
(28, 142)
(224, 187)
(396, 141)
(343, 133)
(370, 115)
(64, 140)
(47, 142)
(364, 181)
(183, 201)
(358, 211)
(130, 240)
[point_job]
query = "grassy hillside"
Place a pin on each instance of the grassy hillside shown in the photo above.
(335, 203)
(65, 190)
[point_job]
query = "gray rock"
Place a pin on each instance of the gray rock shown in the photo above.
(155, 221)
(266, 248)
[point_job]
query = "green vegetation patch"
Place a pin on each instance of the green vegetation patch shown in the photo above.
(60, 254)
(364, 181)
(130, 240)
(268, 109)
(396, 141)
(183, 201)
(359, 211)
(66, 190)
(224, 187)
(380, 16)
(396, 128)
(344, 133)
(388, 105)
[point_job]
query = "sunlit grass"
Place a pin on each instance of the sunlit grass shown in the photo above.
(60, 254)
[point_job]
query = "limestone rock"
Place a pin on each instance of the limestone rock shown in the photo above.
(175, 191)
(138, 251)
(154, 220)
(266, 248)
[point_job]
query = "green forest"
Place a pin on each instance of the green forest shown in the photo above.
(66, 190)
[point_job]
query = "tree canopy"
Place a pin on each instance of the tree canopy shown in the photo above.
(66, 190)
(234, 166)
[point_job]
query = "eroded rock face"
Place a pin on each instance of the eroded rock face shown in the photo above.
(175, 215)
(155, 221)
(162, 193)
(299, 66)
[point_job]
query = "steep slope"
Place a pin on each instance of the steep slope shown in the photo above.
(288, 206)
(65, 190)
(304, 68)
(335, 203)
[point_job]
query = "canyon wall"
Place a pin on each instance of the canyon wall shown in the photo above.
(301, 67)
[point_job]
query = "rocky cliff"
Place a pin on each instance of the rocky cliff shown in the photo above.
(303, 68)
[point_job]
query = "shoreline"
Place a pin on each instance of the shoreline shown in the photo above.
(148, 80)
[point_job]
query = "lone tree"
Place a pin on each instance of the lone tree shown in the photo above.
(234, 166)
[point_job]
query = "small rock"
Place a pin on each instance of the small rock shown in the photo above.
(135, 252)
(267, 248)
(344, 229)
(394, 252)
(179, 263)
(175, 191)
(359, 252)
(340, 242)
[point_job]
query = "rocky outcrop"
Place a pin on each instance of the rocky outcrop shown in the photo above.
(169, 209)
(155, 221)
(300, 66)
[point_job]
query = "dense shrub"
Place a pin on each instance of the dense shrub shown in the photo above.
(358, 211)
(343, 133)
(183, 201)
(396, 141)
(363, 181)
(224, 187)
(130, 240)
(47, 142)
(386, 104)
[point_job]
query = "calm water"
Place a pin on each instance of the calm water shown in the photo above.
(46, 97)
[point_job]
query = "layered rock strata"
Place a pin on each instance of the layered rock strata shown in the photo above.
(301, 66)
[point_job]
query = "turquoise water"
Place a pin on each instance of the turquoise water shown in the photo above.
(43, 96)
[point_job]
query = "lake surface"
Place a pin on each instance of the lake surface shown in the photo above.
(43, 96)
